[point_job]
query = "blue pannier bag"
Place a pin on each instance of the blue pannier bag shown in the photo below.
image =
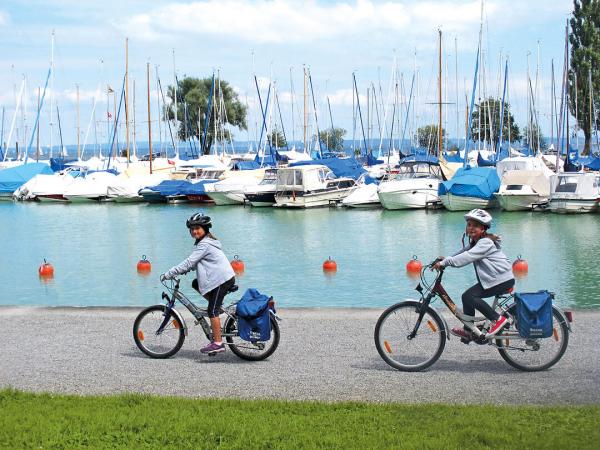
(254, 321)
(534, 314)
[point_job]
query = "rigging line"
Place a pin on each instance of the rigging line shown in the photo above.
(168, 121)
(360, 114)
(116, 123)
(37, 119)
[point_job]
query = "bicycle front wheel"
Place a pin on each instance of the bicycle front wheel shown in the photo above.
(158, 345)
(533, 355)
(398, 349)
(251, 351)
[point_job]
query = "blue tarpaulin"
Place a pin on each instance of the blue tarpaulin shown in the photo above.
(13, 178)
(171, 187)
(453, 158)
(480, 182)
(419, 157)
(341, 167)
(197, 188)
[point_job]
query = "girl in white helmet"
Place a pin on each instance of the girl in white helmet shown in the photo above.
(492, 269)
(214, 275)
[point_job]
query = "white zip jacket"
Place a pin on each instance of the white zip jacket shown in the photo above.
(492, 266)
(212, 266)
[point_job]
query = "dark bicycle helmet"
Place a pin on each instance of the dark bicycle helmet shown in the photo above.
(199, 220)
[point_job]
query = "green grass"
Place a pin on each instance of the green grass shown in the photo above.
(137, 421)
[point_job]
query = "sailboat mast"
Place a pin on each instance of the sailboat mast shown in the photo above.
(51, 94)
(175, 100)
(440, 94)
(305, 108)
(78, 151)
(149, 122)
(37, 151)
(127, 97)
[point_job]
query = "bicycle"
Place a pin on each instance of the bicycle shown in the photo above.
(160, 330)
(411, 336)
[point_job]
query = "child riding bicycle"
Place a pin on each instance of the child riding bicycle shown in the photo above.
(492, 269)
(213, 271)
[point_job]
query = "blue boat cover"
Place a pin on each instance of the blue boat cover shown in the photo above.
(197, 188)
(249, 165)
(13, 178)
(480, 182)
(58, 164)
(593, 164)
(453, 158)
(171, 187)
(419, 157)
(341, 167)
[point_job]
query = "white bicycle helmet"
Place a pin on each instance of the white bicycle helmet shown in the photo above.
(481, 216)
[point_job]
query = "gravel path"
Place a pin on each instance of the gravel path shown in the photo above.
(325, 354)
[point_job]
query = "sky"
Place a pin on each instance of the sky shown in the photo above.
(273, 40)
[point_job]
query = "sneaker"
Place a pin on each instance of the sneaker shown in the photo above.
(213, 348)
(497, 326)
(461, 333)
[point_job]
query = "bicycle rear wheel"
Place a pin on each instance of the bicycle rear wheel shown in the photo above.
(533, 355)
(251, 351)
(158, 345)
(392, 337)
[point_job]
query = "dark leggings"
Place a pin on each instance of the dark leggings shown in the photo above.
(216, 296)
(472, 299)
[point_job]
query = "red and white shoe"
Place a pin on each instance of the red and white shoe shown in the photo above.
(497, 326)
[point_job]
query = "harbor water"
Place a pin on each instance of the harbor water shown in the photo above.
(94, 249)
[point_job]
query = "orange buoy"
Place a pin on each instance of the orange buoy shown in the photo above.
(46, 270)
(520, 267)
(414, 266)
(144, 266)
(237, 265)
(329, 265)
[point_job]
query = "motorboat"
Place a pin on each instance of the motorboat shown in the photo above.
(90, 188)
(263, 194)
(522, 190)
(574, 192)
(415, 186)
(470, 188)
(307, 186)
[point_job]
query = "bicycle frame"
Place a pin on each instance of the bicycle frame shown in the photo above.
(199, 314)
(438, 290)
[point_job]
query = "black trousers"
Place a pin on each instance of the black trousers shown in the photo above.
(216, 296)
(472, 298)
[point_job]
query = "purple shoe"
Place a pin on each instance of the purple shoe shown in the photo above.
(213, 348)
(461, 333)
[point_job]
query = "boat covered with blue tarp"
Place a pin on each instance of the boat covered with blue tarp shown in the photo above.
(13, 178)
(470, 187)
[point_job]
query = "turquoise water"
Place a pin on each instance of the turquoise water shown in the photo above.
(95, 248)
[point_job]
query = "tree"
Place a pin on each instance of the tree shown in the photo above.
(532, 134)
(192, 103)
(427, 137)
(332, 139)
(489, 112)
(585, 63)
(276, 138)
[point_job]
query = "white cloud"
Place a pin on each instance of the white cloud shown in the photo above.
(3, 18)
(281, 21)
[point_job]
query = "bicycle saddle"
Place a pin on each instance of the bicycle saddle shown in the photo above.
(233, 288)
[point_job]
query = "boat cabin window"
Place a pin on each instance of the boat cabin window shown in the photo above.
(567, 184)
(418, 170)
(289, 177)
(514, 187)
(325, 175)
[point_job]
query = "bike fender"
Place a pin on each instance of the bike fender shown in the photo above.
(563, 317)
(181, 319)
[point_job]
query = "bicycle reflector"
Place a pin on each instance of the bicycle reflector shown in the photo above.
(140, 335)
(387, 346)
(431, 325)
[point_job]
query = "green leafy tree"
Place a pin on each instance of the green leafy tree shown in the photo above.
(332, 139)
(530, 138)
(488, 111)
(585, 62)
(277, 139)
(192, 103)
(427, 137)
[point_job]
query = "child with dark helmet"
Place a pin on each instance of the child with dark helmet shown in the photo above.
(214, 275)
(492, 269)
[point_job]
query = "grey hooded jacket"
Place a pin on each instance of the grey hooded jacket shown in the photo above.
(491, 264)
(211, 264)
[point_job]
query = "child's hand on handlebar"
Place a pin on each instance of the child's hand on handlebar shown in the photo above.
(438, 263)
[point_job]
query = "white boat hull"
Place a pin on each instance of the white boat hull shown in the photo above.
(572, 206)
(410, 199)
(223, 198)
(456, 203)
(312, 200)
(520, 202)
